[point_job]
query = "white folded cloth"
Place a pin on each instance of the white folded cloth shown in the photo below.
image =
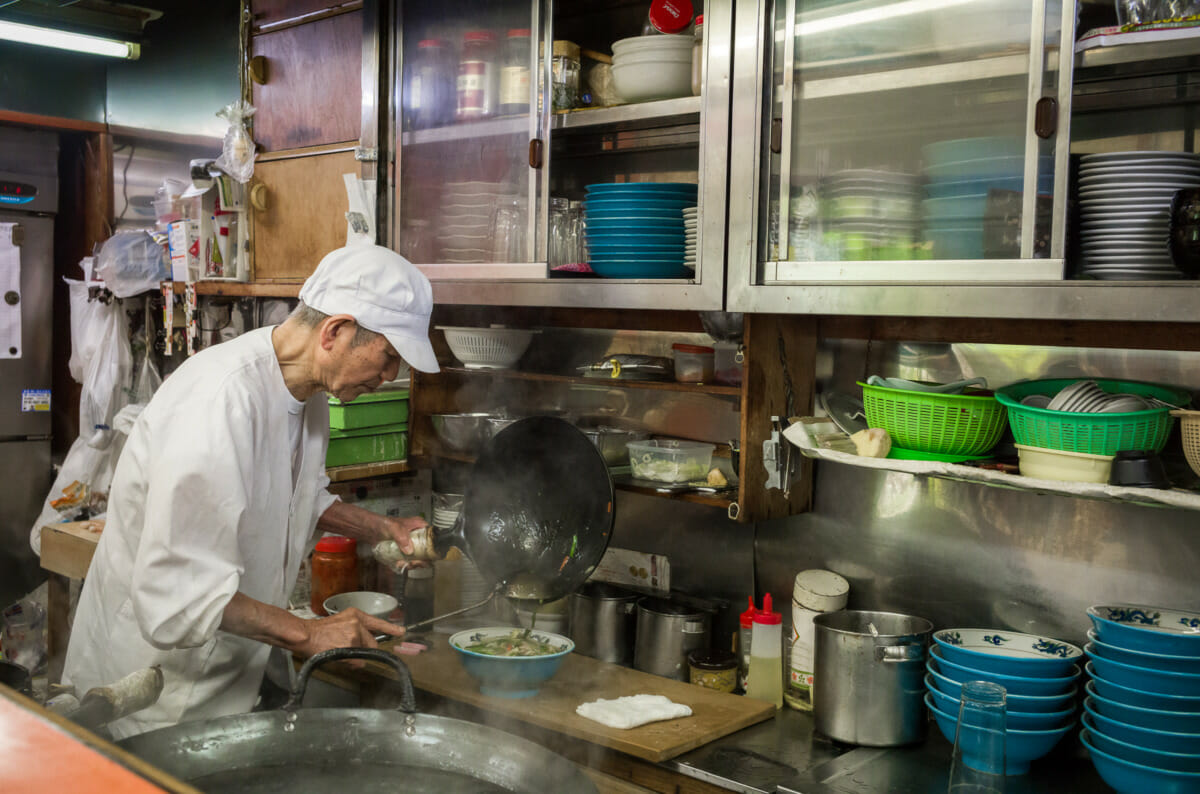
(632, 710)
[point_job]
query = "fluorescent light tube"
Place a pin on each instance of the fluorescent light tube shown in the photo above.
(79, 42)
(868, 15)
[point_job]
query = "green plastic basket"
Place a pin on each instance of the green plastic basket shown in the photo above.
(387, 407)
(1092, 433)
(944, 424)
(367, 445)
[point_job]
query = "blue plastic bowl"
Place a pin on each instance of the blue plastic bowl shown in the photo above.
(639, 268)
(1008, 652)
(1134, 696)
(687, 188)
(1176, 762)
(509, 676)
(953, 151)
(1143, 678)
(1017, 685)
(1128, 777)
(1162, 741)
(632, 206)
(1025, 703)
(1149, 629)
(1003, 167)
(1155, 719)
(638, 216)
(956, 243)
(943, 189)
(1017, 720)
(647, 226)
(1171, 663)
(1020, 747)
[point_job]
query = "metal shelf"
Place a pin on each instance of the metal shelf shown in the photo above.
(662, 112)
(1141, 57)
(493, 128)
(1008, 65)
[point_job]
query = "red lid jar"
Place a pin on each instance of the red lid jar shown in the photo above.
(334, 570)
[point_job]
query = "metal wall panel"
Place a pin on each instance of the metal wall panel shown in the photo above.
(47, 82)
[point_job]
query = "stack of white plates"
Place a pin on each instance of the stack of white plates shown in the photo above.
(691, 236)
(464, 228)
(871, 213)
(1125, 208)
(473, 588)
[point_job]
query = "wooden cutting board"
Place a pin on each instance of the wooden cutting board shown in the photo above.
(582, 679)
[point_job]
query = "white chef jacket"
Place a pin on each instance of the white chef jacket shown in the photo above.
(202, 505)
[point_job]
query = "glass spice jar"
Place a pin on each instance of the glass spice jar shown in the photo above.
(514, 73)
(564, 75)
(713, 669)
(334, 570)
(478, 77)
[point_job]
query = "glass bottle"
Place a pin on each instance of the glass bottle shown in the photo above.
(334, 570)
(698, 56)
(429, 100)
(668, 16)
(564, 75)
(745, 637)
(514, 74)
(478, 78)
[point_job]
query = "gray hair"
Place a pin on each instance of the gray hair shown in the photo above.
(308, 317)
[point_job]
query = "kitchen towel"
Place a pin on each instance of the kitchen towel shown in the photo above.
(632, 710)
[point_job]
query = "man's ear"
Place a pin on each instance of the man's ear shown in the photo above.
(334, 325)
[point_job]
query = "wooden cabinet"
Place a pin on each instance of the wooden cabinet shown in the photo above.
(311, 96)
(305, 212)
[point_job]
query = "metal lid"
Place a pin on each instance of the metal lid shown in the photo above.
(568, 48)
(820, 591)
(670, 16)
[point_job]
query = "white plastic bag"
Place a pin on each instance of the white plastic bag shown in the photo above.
(237, 151)
(131, 262)
(84, 334)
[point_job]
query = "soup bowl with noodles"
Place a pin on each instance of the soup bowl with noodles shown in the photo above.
(511, 662)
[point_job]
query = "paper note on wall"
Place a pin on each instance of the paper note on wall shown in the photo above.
(10, 291)
(360, 218)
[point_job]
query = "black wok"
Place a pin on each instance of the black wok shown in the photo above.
(318, 750)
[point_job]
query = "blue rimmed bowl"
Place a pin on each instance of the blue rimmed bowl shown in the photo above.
(1129, 777)
(639, 238)
(1007, 652)
(639, 268)
(1157, 759)
(1171, 663)
(1143, 678)
(1017, 720)
(649, 225)
(1017, 685)
(1149, 629)
(1148, 738)
(643, 187)
(625, 216)
(1139, 716)
(509, 676)
(1141, 698)
(1025, 703)
(634, 205)
(1020, 747)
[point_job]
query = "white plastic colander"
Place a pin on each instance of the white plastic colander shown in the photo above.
(487, 348)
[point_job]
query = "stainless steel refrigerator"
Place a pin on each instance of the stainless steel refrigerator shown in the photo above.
(29, 199)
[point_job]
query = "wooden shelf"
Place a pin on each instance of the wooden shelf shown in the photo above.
(364, 470)
(239, 289)
(512, 374)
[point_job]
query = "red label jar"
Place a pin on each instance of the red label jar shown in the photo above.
(334, 570)
(478, 76)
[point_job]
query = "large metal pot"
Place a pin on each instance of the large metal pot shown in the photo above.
(603, 621)
(666, 633)
(868, 669)
(320, 750)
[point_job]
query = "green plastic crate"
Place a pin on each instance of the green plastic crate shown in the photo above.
(369, 410)
(367, 445)
(1091, 433)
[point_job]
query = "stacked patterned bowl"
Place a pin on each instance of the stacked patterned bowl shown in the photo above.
(1142, 720)
(636, 230)
(1038, 673)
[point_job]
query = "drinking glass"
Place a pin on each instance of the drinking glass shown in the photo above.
(508, 230)
(560, 233)
(977, 766)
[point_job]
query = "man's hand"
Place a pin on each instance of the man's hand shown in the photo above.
(398, 529)
(351, 628)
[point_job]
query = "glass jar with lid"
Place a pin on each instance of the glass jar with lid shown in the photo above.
(698, 55)
(478, 77)
(429, 96)
(514, 73)
(334, 570)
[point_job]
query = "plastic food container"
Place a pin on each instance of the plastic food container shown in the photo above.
(1058, 464)
(726, 368)
(669, 460)
(693, 363)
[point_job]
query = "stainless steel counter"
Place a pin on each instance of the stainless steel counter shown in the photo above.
(784, 756)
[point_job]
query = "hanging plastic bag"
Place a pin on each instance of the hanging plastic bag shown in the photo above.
(132, 262)
(237, 152)
(84, 323)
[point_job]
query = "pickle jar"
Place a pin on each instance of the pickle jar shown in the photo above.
(334, 569)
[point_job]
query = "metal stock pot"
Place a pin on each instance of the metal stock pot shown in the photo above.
(320, 750)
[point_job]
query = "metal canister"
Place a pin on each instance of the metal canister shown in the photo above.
(666, 633)
(868, 669)
(603, 621)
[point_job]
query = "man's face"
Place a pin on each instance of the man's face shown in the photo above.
(357, 369)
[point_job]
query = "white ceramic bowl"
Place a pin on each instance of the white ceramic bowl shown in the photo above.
(643, 82)
(669, 56)
(653, 44)
(378, 605)
(1057, 464)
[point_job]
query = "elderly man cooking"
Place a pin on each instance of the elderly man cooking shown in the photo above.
(221, 485)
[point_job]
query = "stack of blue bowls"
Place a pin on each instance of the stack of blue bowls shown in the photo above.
(1038, 674)
(1142, 711)
(636, 230)
(959, 174)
